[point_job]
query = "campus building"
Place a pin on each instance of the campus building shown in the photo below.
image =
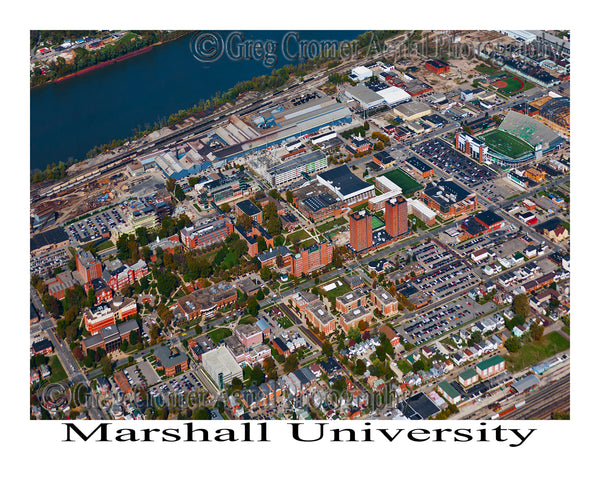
(471, 147)
(318, 315)
(111, 337)
(88, 266)
(352, 318)
(171, 361)
(351, 300)
(346, 186)
(448, 198)
(221, 366)
(312, 258)
(396, 217)
(206, 233)
(361, 231)
(384, 301)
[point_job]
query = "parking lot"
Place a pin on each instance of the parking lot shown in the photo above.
(176, 390)
(500, 242)
(46, 263)
(444, 274)
(443, 156)
(92, 228)
(440, 320)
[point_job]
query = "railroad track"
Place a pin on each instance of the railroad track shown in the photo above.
(540, 403)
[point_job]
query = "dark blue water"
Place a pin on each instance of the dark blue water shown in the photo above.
(70, 117)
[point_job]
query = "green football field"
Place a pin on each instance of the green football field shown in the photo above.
(506, 143)
(408, 184)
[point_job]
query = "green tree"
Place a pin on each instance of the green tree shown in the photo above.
(253, 306)
(107, 366)
(360, 367)
(520, 305)
(290, 364)
(513, 344)
(537, 331)
(91, 299)
(170, 184)
(289, 196)
(245, 221)
(327, 348)
(265, 273)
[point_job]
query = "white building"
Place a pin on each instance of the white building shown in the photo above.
(361, 73)
(221, 366)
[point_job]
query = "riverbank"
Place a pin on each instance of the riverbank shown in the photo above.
(104, 64)
(114, 104)
(112, 61)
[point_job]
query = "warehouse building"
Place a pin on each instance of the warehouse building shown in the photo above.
(412, 111)
(367, 98)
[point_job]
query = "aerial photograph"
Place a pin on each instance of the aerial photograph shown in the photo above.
(296, 225)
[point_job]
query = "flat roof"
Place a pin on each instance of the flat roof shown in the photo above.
(488, 217)
(343, 182)
(247, 207)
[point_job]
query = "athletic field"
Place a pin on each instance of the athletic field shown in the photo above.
(506, 143)
(509, 85)
(408, 184)
(376, 222)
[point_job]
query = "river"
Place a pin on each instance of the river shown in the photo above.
(69, 118)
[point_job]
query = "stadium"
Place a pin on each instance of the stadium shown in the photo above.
(519, 138)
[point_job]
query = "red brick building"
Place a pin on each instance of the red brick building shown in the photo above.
(396, 217)
(437, 66)
(312, 258)
(88, 266)
(384, 301)
(361, 231)
(206, 233)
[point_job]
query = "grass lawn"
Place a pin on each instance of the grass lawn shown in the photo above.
(308, 243)
(219, 334)
(57, 371)
(285, 322)
(336, 292)
(360, 206)
(297, 236)
(535, 352)
(376, 222)
(104, 246)
(324, 227)
(487, 70)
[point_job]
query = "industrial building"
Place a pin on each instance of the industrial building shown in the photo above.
(361, 73)
(437, 66)
(412, 111)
